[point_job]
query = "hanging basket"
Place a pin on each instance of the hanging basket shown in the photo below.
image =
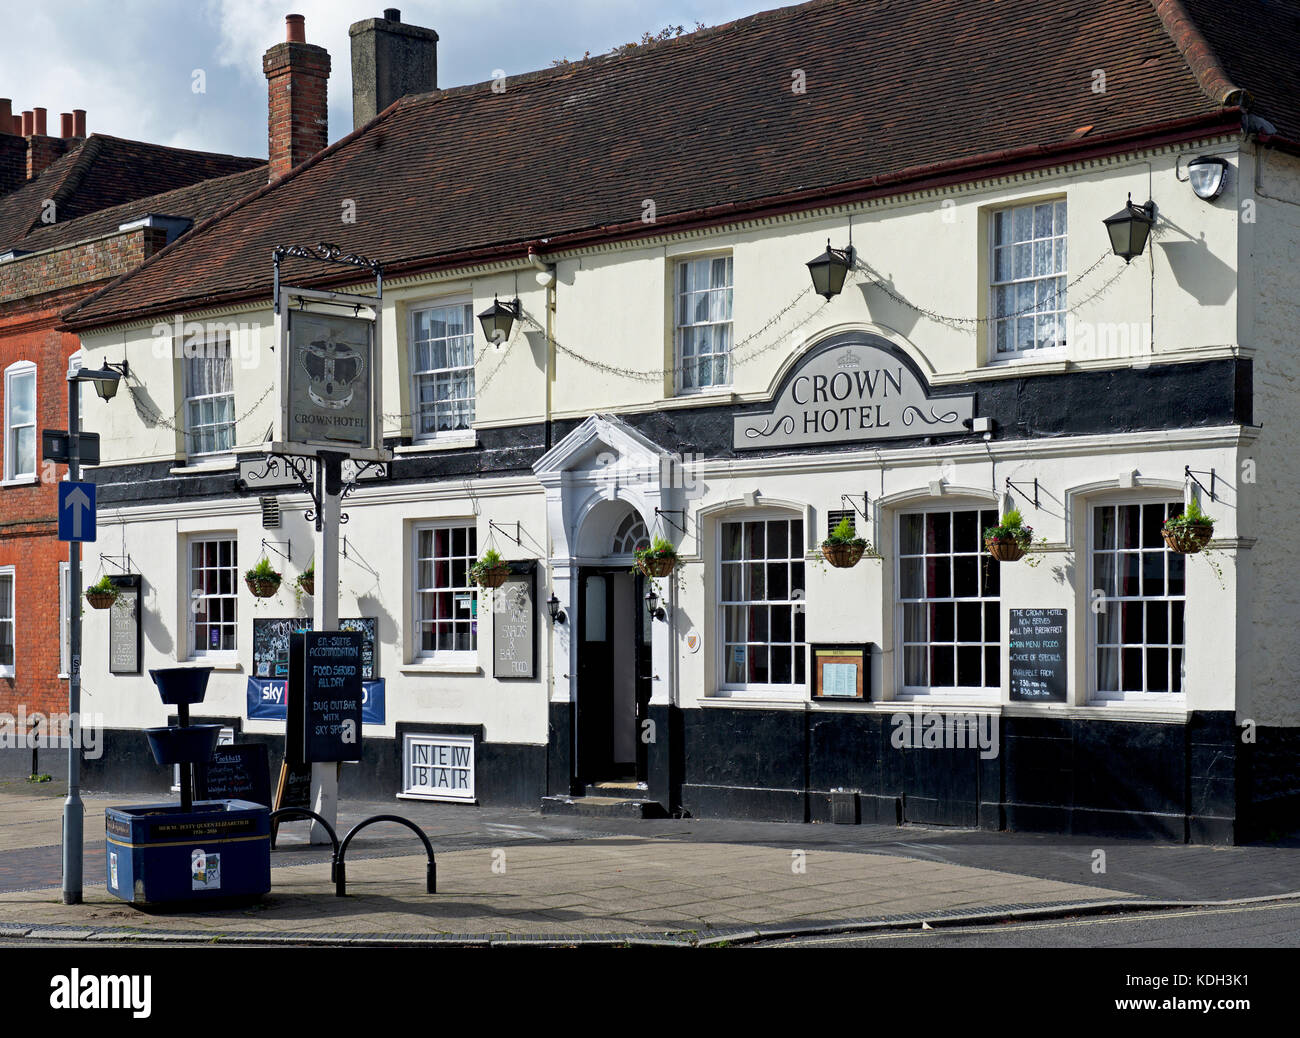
(308, 583)
(101, 599)
(843, 556)
(1005, 549)
(1188, 538)
(262, 587)
(493, 576)
(658, 566)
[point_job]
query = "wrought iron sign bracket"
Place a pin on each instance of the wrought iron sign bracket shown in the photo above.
(664, 513)
(326, 252)
(852, 501)
(287, 554)
(1189, 474)
(380, 468)
(1011, 485)
(502, 529)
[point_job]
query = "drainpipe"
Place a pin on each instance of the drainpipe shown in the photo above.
(546, 278)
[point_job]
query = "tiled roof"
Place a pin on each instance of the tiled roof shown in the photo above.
(197, 202)
(104, 172)
(709, 122)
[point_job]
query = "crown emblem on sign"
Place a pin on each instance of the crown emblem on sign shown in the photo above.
(849, 360)
(332, 370)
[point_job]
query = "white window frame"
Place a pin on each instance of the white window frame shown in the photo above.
(904, 692)
(415, 373)
(20, 369)
(1176, 700)
(188, 424)
(795, 553)
(65, 618)
(7, 670)
(1060, 271)
(203, 652)
(450, 657)
(679, 363)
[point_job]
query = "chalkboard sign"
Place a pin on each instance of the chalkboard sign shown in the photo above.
(1036, 656)
(331, 712)
(271, 643)
(241, 771)
(124, 625)
(514, 623)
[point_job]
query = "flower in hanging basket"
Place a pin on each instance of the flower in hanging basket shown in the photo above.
(491, 570)
(307, 579)
(262, 580)
(843, 549)
(1010, 539)
(658, 560)
(1189, 533)
(101, 594)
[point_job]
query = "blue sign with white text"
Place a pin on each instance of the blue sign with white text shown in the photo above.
(76, 511)
(268, 700)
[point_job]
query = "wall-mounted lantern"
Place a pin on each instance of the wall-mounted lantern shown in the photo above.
(1129, 228)
(652, 604)
(498, 320)
(553, 607)
(1208, 175)
(830, 269)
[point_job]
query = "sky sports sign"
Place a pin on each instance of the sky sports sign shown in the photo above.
(268, 700)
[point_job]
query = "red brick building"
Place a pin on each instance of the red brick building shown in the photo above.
(76, 211)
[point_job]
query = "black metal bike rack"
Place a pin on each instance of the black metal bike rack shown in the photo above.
(303, 812)
(340, 872)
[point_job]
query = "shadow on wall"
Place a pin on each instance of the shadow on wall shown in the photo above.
(1200, 273)
(884, 310)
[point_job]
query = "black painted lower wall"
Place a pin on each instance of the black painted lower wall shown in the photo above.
(1200, 782)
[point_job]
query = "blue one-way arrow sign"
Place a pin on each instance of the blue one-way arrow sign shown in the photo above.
(76, 511)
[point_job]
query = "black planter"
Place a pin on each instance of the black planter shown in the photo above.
(190, 745)
(181, 685)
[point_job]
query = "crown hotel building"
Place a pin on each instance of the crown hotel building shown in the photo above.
(1054, 271)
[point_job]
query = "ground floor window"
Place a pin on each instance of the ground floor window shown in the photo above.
(214, 594)
(446, 598)
(6, 622)
(762, 604)
(1139, 590)
(948, 591)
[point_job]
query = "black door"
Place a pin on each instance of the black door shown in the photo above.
(595, 714)
(644, 669)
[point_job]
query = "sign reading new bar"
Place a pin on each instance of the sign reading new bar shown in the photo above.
(854, 387)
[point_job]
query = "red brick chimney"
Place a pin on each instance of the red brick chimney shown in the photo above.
(13, 150)
(42, 149)
(297, 75)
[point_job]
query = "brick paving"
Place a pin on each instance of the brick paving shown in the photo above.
(516, 874)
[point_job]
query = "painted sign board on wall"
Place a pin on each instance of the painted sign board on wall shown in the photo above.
(1036, 657)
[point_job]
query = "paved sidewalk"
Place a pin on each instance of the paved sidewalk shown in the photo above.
(512, 874)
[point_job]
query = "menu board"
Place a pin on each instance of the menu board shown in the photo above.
(514, 623)
(271, 643)
(1036, 656)
(331, 673)
(124, 625)
(840, 672)
(241, 771)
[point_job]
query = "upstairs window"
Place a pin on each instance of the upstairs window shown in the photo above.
(210, 400)
(1028, 283)
(442, 370)
(702, 323)
(20, 421)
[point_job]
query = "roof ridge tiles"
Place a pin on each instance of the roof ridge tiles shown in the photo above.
(1199, 55)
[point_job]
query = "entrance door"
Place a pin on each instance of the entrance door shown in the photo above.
(613, 676)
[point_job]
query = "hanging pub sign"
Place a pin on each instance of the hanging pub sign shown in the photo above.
(856, 387)
(514, 623)
(328, 381)
(124, 625)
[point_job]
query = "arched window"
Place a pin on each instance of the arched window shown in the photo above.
(630, 535)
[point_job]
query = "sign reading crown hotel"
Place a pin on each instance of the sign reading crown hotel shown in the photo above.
(330, 366)
(852, 389)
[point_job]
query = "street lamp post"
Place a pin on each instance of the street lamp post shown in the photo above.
(74, 812)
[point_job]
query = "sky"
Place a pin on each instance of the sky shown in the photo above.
(135, 65)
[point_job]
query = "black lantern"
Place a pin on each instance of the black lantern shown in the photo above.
(497, 320)
(830, 269)
(553, 607)
(652, 603)
(1129, 228)
(106, 380)
(1207, 175)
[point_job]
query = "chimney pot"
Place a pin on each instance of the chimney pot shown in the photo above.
(79, 122)
(40, 124)
(29, 123)
(295, 28)
(18, 125)
(65, 125)
(6, 114)
(392, 14)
